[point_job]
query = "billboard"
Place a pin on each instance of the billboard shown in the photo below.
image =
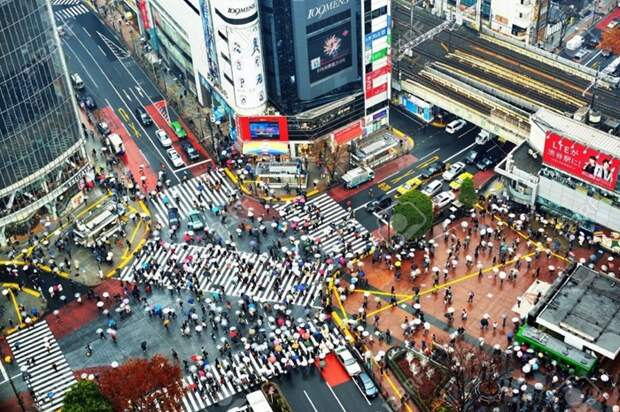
(207, 29)
(330, 52)
(274, 128)
(581, 161)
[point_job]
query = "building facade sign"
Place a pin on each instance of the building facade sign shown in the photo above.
(321, 9)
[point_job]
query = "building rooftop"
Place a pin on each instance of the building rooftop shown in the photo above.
(586, 311)
(577, 131)
(524, 160)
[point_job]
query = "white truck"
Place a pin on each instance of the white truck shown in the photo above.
(357, 176)
(115, 143)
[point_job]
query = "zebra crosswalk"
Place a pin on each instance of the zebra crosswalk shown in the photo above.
(45, 368)
(65, 2)
(246, 370)
(211, 188)
(211, 267)
(324, 220)
(70, 10)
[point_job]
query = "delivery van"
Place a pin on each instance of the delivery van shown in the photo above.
(115, 143)
(357, 176)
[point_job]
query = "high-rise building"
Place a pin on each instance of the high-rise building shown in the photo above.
(42, 156)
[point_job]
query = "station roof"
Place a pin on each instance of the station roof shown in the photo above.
(577, 131)
(586, 311)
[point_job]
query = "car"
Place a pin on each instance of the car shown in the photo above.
(486, 162)
(443, 199)
(77, 82)
(606, 52)
(103, 128)
(173, 217)
(432, 188)
(453, 171)
(455, 125)
(190, 151)
(410, 184)
(175, 158)
(615, 22)
(432, 169)
(472, 156)
(195, 221)
(580, 54)
(178, 129)
(163, 138)
(143, 117)
(381, 203)
(456, 183)
(61, 31)
(348, 361)
(368, 386)
(89, 102)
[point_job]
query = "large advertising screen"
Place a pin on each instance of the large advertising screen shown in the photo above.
(581, 161)
(274, 128)
(330, 52)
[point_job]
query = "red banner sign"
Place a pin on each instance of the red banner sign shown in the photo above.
(144, 14)
(581, 161)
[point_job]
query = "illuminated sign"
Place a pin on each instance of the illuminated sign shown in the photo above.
(273, 128)
(330, 52)
(320, 10)
(581, 161)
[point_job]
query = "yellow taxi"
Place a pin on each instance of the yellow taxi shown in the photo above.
(456, 183)
(410, 184)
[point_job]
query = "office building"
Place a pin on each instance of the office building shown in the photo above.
(42, 157)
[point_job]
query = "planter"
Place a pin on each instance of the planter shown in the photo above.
(488, 392)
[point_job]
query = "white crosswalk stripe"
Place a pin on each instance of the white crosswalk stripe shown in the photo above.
(65, 2)
(70, 12)
(248, 370)
(211, 188)
(214, 267)
(339, 233)
(50, 376)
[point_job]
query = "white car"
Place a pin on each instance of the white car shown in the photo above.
(163, 138)
(453, 171)
(348, 361)
(432, 188)
(455, 125)
(443, 199)
(175, 158)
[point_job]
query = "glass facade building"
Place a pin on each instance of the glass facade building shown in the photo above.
(41, 141)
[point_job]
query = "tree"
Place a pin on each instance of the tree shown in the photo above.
(413, 215)
(467, 194)
(85, 396)
(144, 385)
(611, 40)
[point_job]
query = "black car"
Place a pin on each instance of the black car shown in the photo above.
(381, 203)
(89, 102)
(473, 156)
(190, 151)
(591, 43)
(173, 217)
(433, 169)
(103, 128)
(143, 117)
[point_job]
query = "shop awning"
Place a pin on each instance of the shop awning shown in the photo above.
(348, 133)
(265, 148)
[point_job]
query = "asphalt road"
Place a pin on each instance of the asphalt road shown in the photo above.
(312, 394)
(431, 144)
(114, 79)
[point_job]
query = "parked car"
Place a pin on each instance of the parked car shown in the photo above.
(368, 386)
(580, 54)
(381, 203)
(163, 138)
(143, 117)
(89, 102)
(443, 199)
(473, 155)
(432, 169)
(410, 184)
(77, 82)
(486, 162)
(173, 217)
(175, 158)
(456, 183)
(190, 151)
(103, 128)
(195, 220)
(453, 171)
(178, 129)
(348, 361)
(455, 125)
(612, 24)
(432, 188)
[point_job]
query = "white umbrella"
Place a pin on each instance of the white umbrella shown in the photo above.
(464, 224)
(114, 364)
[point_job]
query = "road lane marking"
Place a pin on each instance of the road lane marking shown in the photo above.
(310, 401)
(127, 95)
(384, 186)
(399, 178)
(466, 132)
(66, 43)
(102, 51)
(337, 399)
(134, 129)
(123, 114)
(458, 153)
(86, 31)
(5, 376)
(194, 165)
(362, 392)
(164, 159)
(427, 162)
